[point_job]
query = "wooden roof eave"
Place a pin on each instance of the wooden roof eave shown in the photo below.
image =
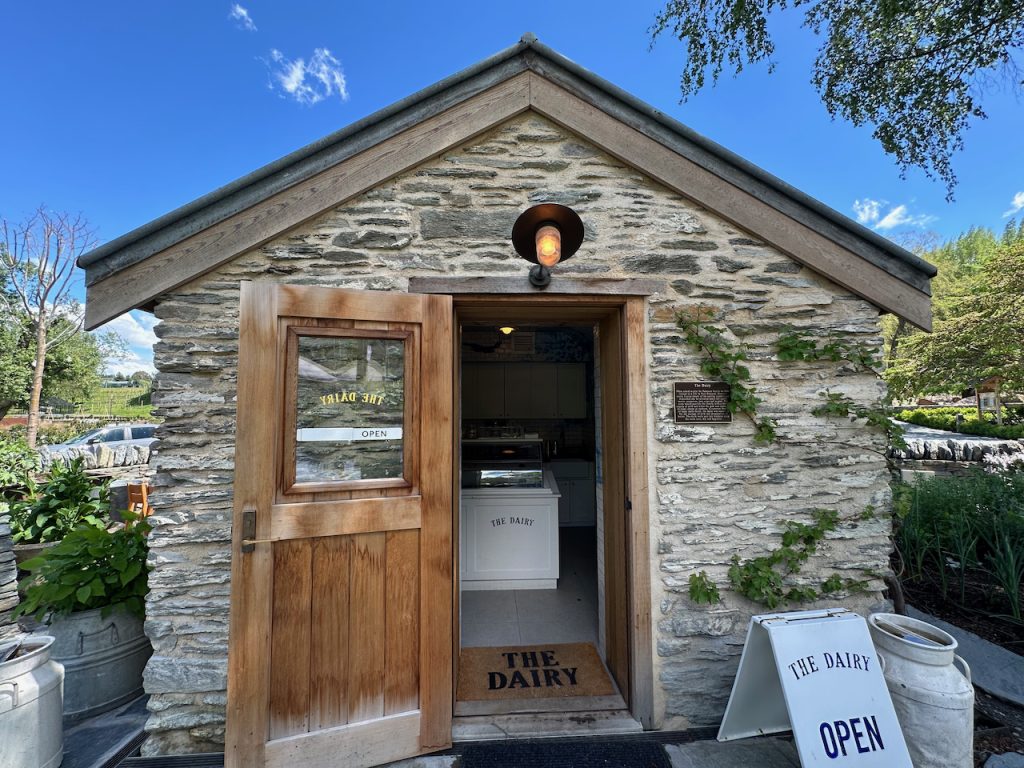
(838, 256)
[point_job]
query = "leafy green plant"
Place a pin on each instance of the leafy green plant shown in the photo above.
(973, 524)
(18, 462)
(913, 541)
(1006, 564)
(702, 589)
(724, 361)
(969, 424)
(769, 579)
(58, 432)
(796, 345)
(89, 568)
(60, 505)
(961, 540)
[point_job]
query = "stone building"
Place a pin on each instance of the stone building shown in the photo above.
(8, 579)
(300, 609)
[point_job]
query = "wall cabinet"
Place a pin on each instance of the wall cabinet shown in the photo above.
(572, 391)
(524, 391)
(577, 505)
(483, 388)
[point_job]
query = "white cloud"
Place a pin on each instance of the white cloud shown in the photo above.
(900, 217)
(308, 82)
(867, 210)
(136, 329)
(242, 18)
(129, 364)
(869, 213)
(1016, 205)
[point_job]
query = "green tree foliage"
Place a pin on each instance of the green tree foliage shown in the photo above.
(913, 69)
(73, 365)
(38, 260)
(15, 366)
(73, 368)
(979, 321)
(43, 353)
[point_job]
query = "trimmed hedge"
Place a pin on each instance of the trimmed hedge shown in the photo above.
(945, 418)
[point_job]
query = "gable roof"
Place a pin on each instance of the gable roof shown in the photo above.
(134, 269)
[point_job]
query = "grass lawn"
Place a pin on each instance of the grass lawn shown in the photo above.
(119, 402)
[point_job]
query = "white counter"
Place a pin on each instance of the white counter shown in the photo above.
(509, 537)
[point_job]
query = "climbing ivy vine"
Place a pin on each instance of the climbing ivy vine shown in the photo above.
(725, 362)
(771, 579)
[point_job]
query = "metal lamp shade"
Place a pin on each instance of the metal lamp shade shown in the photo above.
(524, 230)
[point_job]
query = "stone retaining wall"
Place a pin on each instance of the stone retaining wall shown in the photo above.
(8, 579)
(714, 492)
(99, 456)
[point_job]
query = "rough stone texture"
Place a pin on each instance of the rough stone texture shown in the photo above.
(1006, 760)
(8, 579)
(99, 456)
(714, 492)
(958, 448)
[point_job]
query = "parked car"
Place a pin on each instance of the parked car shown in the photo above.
(112, 436)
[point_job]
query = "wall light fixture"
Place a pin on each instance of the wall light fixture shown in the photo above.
(545, 235)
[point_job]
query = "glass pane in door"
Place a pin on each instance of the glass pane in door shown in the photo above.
(350, 407)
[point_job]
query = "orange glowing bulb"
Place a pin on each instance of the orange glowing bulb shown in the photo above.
(549, 245)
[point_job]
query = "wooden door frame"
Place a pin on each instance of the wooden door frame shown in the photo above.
(628, 314)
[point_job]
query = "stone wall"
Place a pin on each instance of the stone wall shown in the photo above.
(714, 493)
(8, 579)
(98, 456)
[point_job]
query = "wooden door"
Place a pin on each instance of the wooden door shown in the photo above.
(340, 648)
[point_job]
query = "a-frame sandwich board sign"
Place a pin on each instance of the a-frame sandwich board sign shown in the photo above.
(816, 673)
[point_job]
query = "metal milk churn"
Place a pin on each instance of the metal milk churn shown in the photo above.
(31, 684)
(931, 690)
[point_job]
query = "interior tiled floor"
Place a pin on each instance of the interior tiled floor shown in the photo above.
(564, 615)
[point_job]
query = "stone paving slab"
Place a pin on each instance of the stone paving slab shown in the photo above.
(747, 753)
(96, 742)
(993, 669)
(1007, 760)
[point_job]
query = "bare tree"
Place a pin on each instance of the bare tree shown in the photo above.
(39, 257)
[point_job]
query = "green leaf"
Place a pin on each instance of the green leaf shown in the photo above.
(83, 594)
(131, 573)
(96, 588)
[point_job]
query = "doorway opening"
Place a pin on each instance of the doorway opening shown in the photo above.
(540, 623)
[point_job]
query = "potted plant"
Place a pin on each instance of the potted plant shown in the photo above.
(92, 586)
(67, 499)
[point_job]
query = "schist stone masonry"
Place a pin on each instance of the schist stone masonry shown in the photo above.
(713, 492)
(716, 492)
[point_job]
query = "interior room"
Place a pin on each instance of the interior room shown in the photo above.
(529, 538)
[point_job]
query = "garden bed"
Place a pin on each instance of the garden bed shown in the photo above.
(983, 612)
(960, 558)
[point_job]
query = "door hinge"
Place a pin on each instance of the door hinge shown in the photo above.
(629, 505)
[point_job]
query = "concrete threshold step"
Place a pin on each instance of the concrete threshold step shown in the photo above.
(543, 725)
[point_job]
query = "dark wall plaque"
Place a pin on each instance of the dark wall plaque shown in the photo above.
(701, 402)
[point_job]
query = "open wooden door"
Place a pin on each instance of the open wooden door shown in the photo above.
(340, 647)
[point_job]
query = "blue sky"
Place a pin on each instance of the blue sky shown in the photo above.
(125, 110)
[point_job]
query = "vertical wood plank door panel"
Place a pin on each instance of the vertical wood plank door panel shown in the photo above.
(341, 597)
(290, 651)
(329, 656)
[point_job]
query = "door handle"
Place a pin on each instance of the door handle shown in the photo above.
(249, 540)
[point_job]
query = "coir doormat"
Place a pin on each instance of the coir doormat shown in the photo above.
(532, 672)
